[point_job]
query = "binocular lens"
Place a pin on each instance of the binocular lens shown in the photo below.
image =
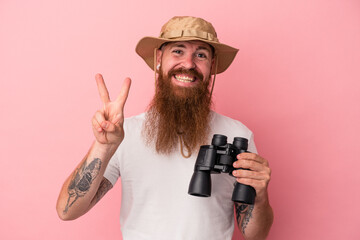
(200, 184)
(244, 194)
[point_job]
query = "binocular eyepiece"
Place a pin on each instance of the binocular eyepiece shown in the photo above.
(218, 158)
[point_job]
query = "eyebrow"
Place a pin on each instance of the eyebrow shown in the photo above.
(204, 48)
(198, 48)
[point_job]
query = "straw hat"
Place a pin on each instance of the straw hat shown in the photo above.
(187, 29)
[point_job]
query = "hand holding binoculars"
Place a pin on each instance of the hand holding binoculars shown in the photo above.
(219, 158)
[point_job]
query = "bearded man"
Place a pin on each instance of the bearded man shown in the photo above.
(156, 158)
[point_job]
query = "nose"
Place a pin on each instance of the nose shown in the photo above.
(188, 62)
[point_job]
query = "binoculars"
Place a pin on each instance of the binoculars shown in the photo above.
(219, 158)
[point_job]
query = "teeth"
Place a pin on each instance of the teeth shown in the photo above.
(184, 78)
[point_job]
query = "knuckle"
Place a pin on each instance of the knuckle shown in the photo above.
(250, 155)
(100, 116)
(97, 114)
(94, 122)
(244, 173)
(240, 163)
(266, 163)
(267, 178)
(252, 164)
(262, 184)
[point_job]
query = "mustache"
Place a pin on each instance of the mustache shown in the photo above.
(198, 75)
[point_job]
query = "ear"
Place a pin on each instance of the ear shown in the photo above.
(158, 56)
(213, 63)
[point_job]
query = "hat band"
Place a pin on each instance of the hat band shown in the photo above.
(189, 33)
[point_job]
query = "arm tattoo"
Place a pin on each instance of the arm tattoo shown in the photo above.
(104, 187)
(81, 181)
(244, 213)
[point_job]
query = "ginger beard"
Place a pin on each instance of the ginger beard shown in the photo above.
(179, 114)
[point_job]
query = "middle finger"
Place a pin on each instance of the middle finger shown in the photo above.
(248, 164)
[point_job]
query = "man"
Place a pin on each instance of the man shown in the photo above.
(156, 157)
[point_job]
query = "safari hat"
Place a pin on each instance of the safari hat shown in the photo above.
(187, 29)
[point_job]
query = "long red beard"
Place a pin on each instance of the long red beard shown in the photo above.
(178, 114)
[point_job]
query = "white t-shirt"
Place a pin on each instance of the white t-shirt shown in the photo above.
(155, 202)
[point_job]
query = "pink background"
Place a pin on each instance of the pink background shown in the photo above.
(295, 83)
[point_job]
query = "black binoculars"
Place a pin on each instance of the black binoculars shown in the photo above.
(219, 158)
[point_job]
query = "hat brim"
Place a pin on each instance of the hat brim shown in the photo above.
(225, 54)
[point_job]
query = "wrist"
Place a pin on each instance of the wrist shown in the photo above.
(262, 200)
(106, 148)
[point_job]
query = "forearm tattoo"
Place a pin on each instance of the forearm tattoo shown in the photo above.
(104, 187)
(243, 214)
(82, 180)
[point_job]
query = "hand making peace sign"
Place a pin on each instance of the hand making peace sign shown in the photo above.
(108, 122)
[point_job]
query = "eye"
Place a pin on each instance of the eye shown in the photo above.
(177, 51)
(202, 55)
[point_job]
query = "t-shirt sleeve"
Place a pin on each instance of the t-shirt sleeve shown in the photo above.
(251, 146)
(112, 171)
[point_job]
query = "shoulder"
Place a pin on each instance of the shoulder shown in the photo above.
(134, 121)
(133, 127)
(219, 119)
(139, 117)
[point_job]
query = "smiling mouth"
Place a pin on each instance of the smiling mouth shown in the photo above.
(184, 78)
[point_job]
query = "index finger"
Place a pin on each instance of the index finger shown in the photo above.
(104, 94)
(124, 92)
(253, 156)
